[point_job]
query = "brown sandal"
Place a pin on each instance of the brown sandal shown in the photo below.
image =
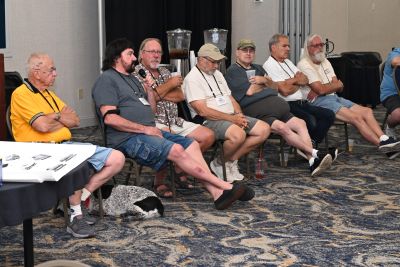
(184, 184)
(163, 191)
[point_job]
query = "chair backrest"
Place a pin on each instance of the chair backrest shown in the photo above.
(8, 121)
(102, 125)
(396, 77)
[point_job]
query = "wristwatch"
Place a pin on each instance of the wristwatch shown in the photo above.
(58, 116)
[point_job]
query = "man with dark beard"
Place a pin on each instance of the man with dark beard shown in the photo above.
(127, 108)
(324, 84)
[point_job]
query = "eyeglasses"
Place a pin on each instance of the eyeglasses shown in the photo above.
(51, 70)
(320, 45)
(248, 50)
(213, 61)
(154, 52)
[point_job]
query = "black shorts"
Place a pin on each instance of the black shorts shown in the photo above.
(269, 109)
(391, 103)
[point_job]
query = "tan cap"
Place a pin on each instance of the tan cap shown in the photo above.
(211, 51)
(246, 43)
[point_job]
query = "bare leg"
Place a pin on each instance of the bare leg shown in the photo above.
(257, 135)
(191, 166)
(234, 138)
(113, 165)
(394, 118)
(291, 137)
(349, 116)
(204, 136)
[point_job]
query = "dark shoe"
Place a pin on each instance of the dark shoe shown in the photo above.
(89, 219)
(333, 151)
(389, 145)
(248, 194)
(162, 190)
(79, 228)
(392, 155)
(229, 196)
(320, 165)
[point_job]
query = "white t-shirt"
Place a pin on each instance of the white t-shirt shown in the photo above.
(281, 71)
(209, 88)
(317, 72)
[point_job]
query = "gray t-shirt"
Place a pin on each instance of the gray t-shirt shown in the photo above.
(238, 82)
(123, 91)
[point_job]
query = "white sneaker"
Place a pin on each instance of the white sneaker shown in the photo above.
(218, 171)
(390, 132)
(234, 170)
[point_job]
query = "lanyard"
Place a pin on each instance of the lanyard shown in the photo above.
(212, 91)
(34, 89)
(139, 94)
(55, 103)
(280, 65)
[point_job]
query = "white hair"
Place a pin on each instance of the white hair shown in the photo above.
(307, 42)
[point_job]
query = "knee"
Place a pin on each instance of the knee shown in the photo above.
(280, 127)
(116, 160)
(263, 130)
(207, 139)
(177, 151)
(238, 136)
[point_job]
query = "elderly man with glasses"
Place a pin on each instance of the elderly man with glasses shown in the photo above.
(169, 93)
(209, 96)
(324, 85)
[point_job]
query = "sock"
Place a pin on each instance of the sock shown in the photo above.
(383, 138)
(85, 194)
(315, 153)
(311, 161)
(75, 211)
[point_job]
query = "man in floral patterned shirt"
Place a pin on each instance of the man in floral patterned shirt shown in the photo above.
(169, 92)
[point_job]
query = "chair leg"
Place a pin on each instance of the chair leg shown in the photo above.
(221, 147)
(65, 208)
(101, 209)
(281, 150)
(172, 175)
(346, 132)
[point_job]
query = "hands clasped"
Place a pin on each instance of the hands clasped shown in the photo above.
(240, 120)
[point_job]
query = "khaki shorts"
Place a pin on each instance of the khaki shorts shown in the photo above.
(186, 128)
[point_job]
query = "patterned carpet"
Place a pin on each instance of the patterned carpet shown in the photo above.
(349, 216)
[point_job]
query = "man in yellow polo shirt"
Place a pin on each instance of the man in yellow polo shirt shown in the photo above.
(38, 115)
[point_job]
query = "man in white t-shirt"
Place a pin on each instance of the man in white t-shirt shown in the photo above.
(292, 83)
(324, 84)
(208, 96)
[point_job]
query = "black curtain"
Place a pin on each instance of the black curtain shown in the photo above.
(137, 20)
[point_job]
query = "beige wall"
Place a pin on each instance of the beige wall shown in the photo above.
(358, 25)
(256, 21)
(68, 31)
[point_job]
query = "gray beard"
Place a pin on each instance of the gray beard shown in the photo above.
(319, 57)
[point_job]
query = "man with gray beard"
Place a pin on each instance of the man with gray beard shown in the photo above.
(324, 84)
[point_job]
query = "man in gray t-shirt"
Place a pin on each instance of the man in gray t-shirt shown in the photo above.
(127, 110)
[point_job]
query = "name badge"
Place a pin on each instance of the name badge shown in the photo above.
(144, 101)
(221, 100)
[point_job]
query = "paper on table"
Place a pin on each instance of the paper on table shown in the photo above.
(38, 162)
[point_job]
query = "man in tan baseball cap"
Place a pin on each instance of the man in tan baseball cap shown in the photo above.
(211, 51)
(209, 98)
